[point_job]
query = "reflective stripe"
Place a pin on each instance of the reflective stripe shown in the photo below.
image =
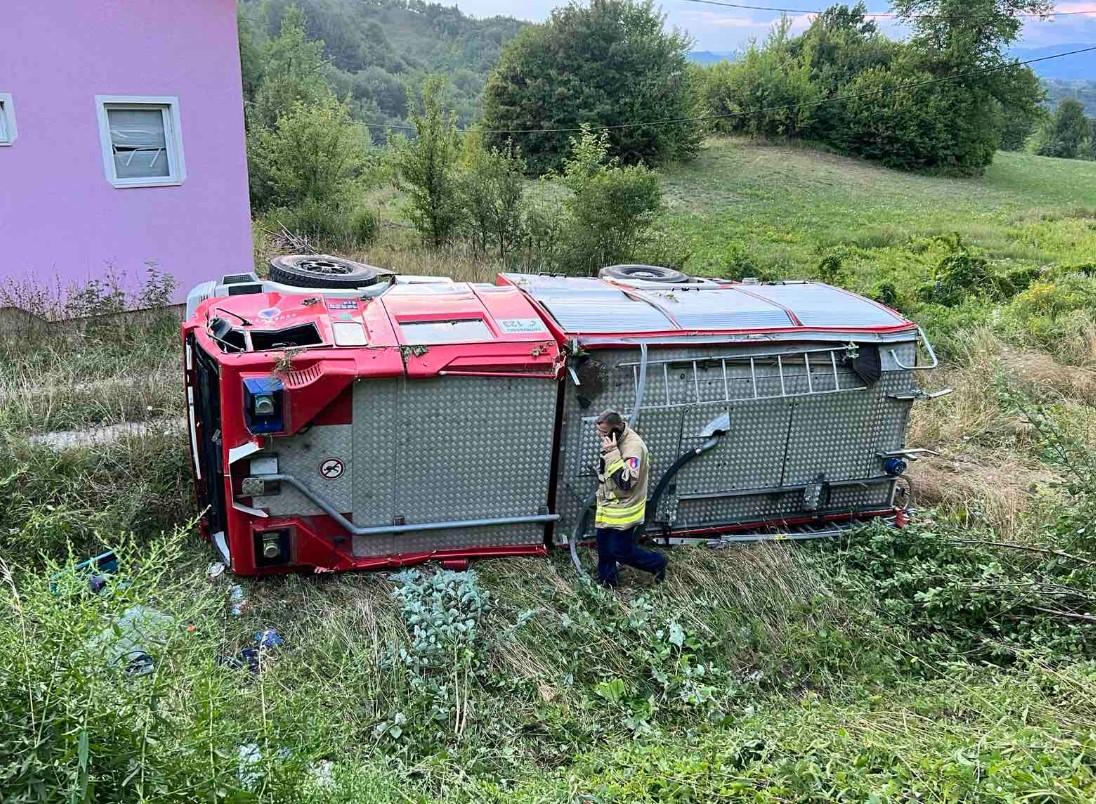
(614, 466)
(621, 516)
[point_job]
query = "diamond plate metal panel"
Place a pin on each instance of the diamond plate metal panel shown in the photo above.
(831, 436)
(851, 498)
(838, 434)
(750, 455)
(376, 403)
(460, 448)
(301, 456)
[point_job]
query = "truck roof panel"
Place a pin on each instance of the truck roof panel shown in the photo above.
(597, 306)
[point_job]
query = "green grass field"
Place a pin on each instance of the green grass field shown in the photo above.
(933, 664)
(789, 205)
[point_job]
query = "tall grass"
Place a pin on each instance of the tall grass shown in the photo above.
(880, 666)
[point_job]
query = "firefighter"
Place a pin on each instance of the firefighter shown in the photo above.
(622, 501)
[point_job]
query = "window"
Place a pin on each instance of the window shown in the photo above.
(142, 141)
(7, 119)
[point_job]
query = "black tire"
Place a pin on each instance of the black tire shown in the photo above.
(646, 273)
(324, 271)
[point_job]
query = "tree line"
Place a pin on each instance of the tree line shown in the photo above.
(595, 97)
(945, 99)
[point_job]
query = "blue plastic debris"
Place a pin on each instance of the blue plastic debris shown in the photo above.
(269, 638)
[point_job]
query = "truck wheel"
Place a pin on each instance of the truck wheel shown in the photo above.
(323, 271)
(646, 273)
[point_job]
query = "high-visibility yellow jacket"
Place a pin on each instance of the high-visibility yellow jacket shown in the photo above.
(622, 477)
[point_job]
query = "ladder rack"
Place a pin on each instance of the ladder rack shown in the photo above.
(818, 367)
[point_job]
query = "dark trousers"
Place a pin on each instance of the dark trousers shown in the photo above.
(619, 547)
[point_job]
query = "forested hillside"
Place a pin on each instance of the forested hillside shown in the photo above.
(1081, 91)
(381, 50)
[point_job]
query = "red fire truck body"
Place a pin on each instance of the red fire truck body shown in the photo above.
(412, 419)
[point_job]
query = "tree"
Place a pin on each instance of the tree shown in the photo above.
(1019, 107)
(766, 93)
(962, 44)
(610, 205)
(606, 64)
(893, 116)
(293, 71)
(839, 45)
(1066, 133)
(427, 167)
(310, 154)
(493, 188)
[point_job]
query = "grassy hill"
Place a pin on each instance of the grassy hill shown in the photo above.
(787, 207)
(948, 662)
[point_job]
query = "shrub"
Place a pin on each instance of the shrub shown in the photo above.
(766, 93)
(1055, 314)
(889, 119)
(427, 168)
(610, 206)
(604, 64)
(363, 226)
(961, 274)
(327, 226)
(949, 585)
(493, 186)
(312, 154)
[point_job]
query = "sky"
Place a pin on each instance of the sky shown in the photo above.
(726, 29)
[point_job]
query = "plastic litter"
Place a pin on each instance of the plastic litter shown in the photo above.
(96, 570)
(126, 642)
(252, 657)
(237, 600)
(269, 638)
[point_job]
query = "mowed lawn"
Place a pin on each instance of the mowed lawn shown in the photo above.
(782, 208)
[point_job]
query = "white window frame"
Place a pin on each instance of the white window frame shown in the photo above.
(7, 112)
(173, 136)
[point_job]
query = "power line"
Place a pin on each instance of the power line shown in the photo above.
(675, 121)
(747, 7)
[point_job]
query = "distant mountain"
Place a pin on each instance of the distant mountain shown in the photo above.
(1083, 91)
(707, 57)
(1081, 67)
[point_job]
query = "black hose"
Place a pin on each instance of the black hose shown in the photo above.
(580, 531)
(663, 482)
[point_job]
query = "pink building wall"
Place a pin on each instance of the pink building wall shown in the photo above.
(60, 216)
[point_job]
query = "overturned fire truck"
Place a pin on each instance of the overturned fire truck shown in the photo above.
(343, 417)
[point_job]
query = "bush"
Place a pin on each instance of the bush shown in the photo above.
(949, 586)
(492, 189)
(363, 226)
(610, 206)
(960, 275)
(327, 226)
(1056, 314)
(888, 119)
(767, 93)
(312, 154)
(604, 64)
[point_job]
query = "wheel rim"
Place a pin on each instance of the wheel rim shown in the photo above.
(325, 267)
